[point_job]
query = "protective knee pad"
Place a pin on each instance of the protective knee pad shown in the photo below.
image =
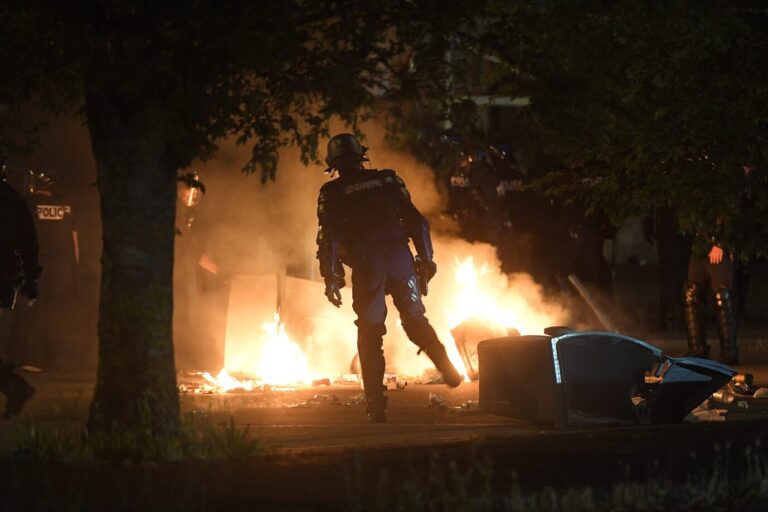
(723, 299)
(692, 293)
(726, 326)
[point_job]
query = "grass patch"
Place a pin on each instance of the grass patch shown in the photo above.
(200, 439)
(446, 487)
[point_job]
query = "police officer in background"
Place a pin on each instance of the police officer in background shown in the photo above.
(46, 334)
(18, 268)
(366, 218)
(710, 264)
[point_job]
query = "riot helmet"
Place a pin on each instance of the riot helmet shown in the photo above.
(42, 183)
(344, 144)
(189, 189)
(15, 176)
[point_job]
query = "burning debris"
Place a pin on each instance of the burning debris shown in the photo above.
(308, 344)
(225, 382)
(282, 361)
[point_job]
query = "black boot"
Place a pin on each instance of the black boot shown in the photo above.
(369, 348)
(694, 320)
(726, 326)
(16, 390)
(377, 409)
(424, 336)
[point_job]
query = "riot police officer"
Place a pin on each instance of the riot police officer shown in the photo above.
(711, 264)
(19, 268)
(39, 344)
(366, 219)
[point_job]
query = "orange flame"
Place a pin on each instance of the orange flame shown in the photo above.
(224, 382)
(282, 361)
(476, 291)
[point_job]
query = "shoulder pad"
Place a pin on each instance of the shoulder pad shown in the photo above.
(389, 175)
(328, 186)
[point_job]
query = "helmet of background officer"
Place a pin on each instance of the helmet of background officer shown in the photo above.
(188, 189)
(42, 183)
(345, 153)
(14, 176)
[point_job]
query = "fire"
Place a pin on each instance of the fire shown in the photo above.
(477, 297)
(282, 361)
(472, 301)
(224, 382)
(482, 292)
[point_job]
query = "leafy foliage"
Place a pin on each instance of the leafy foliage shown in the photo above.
(272, 74)
(647, 106)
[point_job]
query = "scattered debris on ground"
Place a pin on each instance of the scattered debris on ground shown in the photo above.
(704, 413)
(436, 400)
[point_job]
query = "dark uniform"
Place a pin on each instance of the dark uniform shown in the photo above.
(366, 219)
(673, 250)
(58, 240)
(18, 268)
(588, 232)
(197, 290)
(701, 273)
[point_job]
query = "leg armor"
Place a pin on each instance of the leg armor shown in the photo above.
(694, 319)
(369, 347)
(421, 333)
(726, 326)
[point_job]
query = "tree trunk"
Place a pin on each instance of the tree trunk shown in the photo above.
(135, 391)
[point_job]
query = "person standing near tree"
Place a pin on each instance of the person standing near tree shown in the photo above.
(366, 218)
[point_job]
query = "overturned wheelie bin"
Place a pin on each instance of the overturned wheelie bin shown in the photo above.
(573, 378)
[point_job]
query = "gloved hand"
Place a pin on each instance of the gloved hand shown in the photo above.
(333, 288)
(425, 270)
(30, 290)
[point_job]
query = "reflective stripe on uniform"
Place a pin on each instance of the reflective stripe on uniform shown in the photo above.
(364, 185)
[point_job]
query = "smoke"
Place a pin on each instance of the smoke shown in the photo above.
(60, 330)
(250, 228)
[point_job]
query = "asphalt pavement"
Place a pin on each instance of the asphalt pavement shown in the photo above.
(332, 418)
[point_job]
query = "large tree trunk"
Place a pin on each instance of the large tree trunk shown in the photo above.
(135, 392)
